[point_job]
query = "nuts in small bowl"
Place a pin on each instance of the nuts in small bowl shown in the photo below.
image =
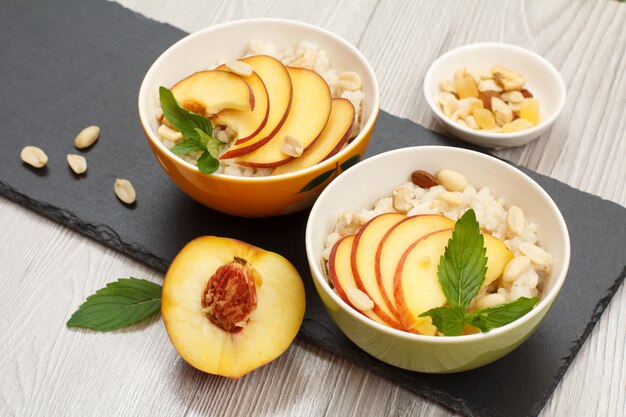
(494, 94)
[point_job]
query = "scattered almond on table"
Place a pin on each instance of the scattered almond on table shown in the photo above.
(494, 101)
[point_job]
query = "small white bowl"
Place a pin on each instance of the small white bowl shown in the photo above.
(360, 186)
(542, 79)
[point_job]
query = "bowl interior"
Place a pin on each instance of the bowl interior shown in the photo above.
(376, 177)
(202, 50)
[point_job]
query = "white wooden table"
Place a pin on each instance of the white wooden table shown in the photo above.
(46, 369)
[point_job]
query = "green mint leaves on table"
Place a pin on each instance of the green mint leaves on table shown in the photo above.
(462, 270)
(119, 304)
(197, 132)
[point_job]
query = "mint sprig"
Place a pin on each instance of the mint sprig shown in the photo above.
(119, 304)
(497, 316)
(197, 132)
(463, 265)
(462, 270)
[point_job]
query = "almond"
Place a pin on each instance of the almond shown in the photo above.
(486, 97)
(423, 179)
(526, 93)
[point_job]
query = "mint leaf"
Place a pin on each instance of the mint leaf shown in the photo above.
(490, 318)
(207, 163)
(463, 266)
(184, 120)
(197, 131)
(448, 320)
(119, 304)
(210, 143)
(189, 145)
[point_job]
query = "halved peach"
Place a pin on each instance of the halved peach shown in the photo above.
(246, 123)
(279, 90)
(214, 91)
(329, 142)
(310, 108)
(230, 307)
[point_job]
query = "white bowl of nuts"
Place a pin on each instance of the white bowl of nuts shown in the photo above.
(494, 94)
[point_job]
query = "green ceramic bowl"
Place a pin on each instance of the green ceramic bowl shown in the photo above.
(362, 184)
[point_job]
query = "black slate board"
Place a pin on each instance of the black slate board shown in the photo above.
(68, 64)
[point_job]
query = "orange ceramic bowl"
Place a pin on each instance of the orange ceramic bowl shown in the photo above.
(253, 196)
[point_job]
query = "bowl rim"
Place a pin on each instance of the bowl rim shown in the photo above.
(544, 124)
(544, 303)
(366, 127)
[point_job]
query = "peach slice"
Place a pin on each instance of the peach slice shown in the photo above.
(262, 305)
(340, 272)
(416, 283)
(363, 261)
(209, 92)
(246, 123)
(329, 142)
(395, 243)
(310, 108)
(279, 90)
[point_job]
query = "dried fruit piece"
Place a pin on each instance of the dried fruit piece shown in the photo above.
(230, 296)
(466, 87)
(87, 137)
(423, 179)
(516, 126)
(529, 110)
(508, 79)
(34, 156)
(125, 191)
(78, 163)
(484, 118)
